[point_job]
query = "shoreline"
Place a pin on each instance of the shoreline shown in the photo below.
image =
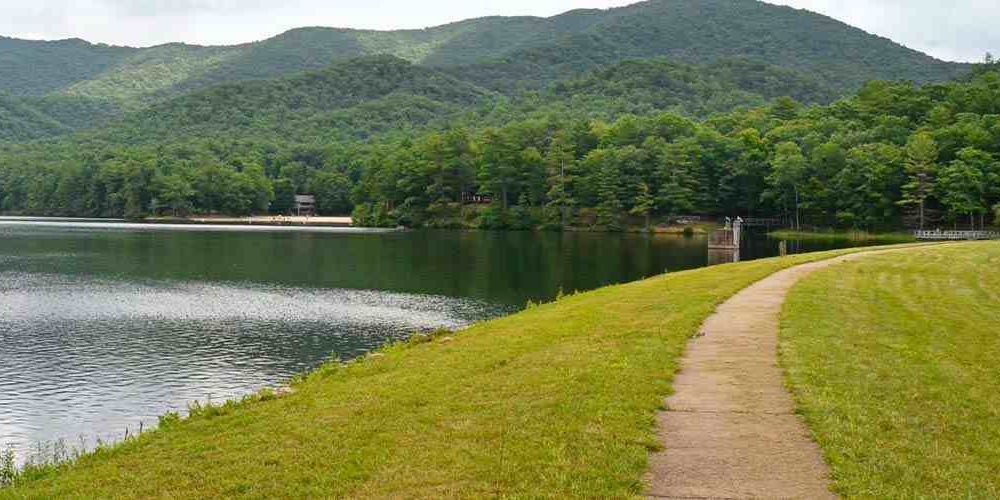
(351, 376)
(170, 226)
(257, 220)
(253, 220)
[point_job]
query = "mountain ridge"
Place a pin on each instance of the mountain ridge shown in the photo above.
(688, 30)
(57, 87)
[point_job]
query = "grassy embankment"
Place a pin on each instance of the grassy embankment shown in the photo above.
(886, 238)
(893, 360)
(557, 401)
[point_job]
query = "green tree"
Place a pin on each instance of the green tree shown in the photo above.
(609, 211)
(960, 188)
(644, 204)
(788, 172)
(284, 196)
(921, 167)
(298, 174)
(175, 192)
(678, 184)
(560, 163)
(869, 185)
(498, 170)
(136, 190)
(333, 193)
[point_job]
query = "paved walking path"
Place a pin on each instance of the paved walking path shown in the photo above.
(730, 430)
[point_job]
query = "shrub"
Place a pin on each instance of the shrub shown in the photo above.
(492, 218)
(8, 468)
(169, 419)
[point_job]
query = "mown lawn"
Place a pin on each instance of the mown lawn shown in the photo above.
(557, 401)
(895, 363)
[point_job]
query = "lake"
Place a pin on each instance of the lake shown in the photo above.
(104, 327)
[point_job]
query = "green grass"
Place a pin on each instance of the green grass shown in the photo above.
(844, 235)
(556, 401)
(893, 360)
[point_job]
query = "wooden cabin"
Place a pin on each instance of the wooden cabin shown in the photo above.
(476, 199)
(305, 205)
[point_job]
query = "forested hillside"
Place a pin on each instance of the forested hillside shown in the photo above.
(310, 121)
(39, 68)
(295, 107)
(643, 86)
(26, 118)
(593, 118)
(504, 54)
(894, 154)
(370, 96)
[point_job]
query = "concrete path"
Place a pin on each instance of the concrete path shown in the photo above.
(730, 430)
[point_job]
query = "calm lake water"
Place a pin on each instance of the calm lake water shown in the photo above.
(106, 326)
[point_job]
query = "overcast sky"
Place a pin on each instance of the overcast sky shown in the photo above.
(949, 29)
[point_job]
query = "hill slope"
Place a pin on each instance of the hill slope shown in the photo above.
(309, 104)
(27, 118)
(38, 67)
(372, 95)
(501, 53)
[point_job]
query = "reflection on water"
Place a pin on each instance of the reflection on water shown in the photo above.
(83, 356)
(498, 267)
(718, 256)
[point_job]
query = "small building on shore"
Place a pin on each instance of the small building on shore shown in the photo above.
(469, 198)
(305, 205)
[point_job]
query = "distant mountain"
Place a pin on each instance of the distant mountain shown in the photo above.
(373, 95)
(648, 85)
(40, 68)
(704, 31)
(414, 117)
(27, 118)
(21, 121)
(501, 53)
(380, 91)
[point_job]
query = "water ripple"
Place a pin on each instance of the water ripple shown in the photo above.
(84, 356)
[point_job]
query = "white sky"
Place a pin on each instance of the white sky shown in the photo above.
(948, 29)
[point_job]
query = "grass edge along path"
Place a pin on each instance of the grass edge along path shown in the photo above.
(730, 428)
(892, 362)
(558, 400)
(861, 236)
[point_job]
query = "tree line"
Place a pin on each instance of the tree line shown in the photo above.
(206, 177)
(893, 155)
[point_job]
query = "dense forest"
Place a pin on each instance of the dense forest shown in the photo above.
(602, 119)
(894, 154)
(378, 98)
(505, 55)
(692, 31)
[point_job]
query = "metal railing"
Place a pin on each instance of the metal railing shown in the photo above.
(956, 235)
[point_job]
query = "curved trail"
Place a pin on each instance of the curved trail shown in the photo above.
(730, 429)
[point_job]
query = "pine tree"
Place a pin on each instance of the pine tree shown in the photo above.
(921, 166)
(644, 204)
(678, 181)
(499, 166)
(960, 186)
(559, 162)
(610, 209)
(788, 173)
